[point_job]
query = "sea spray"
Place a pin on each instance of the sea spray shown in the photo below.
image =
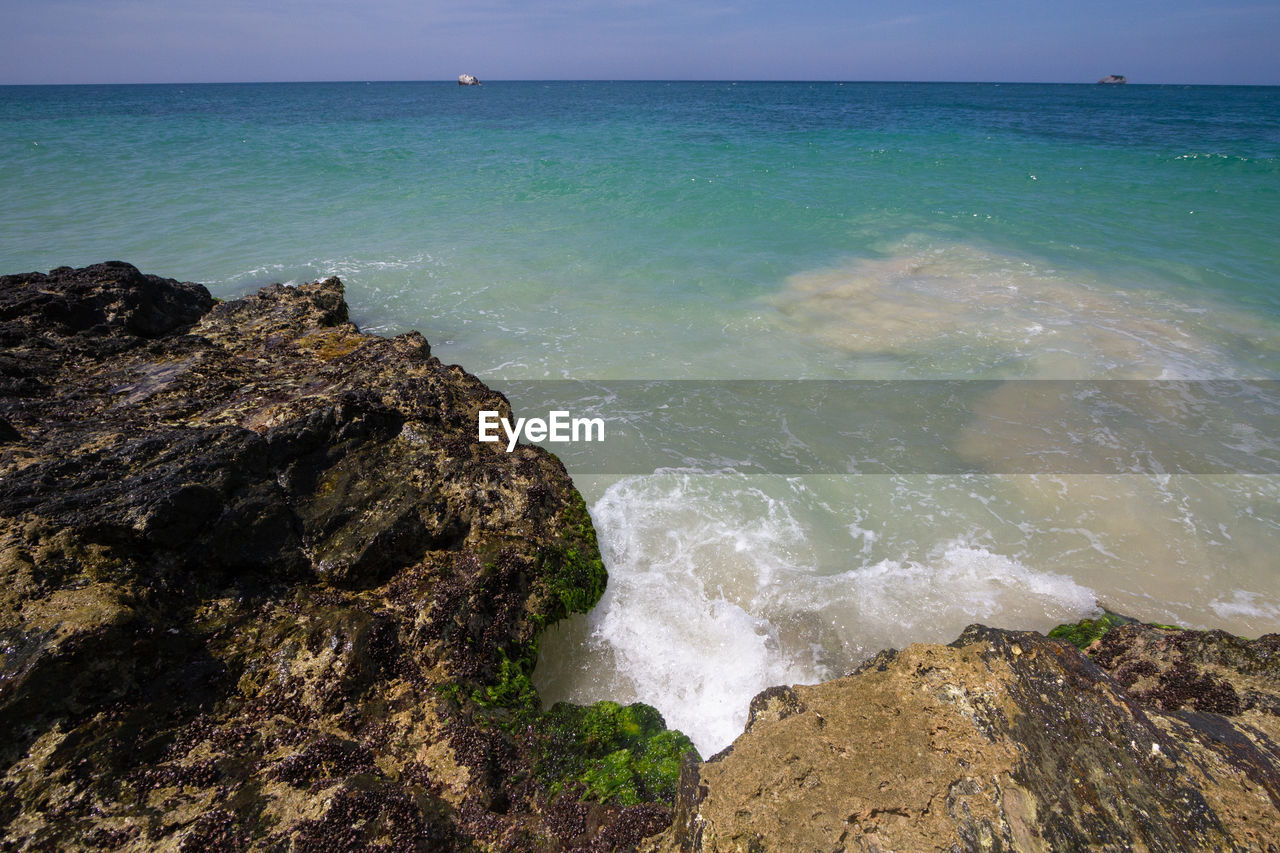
(723, 585)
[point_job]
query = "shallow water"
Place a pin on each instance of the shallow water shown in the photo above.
(680, 231)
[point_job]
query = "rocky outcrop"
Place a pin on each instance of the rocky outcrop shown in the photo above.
(1113, 79)
(1159, 739)
(261, 588)
(467, 80)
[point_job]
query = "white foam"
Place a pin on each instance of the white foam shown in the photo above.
(1244, 604)
(897, 602)
(691, 558)
(719, 587)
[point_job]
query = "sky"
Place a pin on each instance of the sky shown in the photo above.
(189, 41)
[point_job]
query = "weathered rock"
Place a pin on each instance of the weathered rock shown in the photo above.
(1006, 740)
(261, 588)
(467, 80)
(1170, 669)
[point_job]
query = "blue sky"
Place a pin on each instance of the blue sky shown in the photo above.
(118, 41)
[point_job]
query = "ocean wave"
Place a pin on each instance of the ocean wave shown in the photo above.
(722, 585)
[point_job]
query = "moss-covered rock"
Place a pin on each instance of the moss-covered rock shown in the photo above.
(1084, 633)
(614, 753)
(572, 574)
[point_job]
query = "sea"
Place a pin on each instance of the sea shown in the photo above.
(875, 361)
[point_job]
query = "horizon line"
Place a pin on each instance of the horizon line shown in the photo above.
(447, 80)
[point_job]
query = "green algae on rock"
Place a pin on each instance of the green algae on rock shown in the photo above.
(1082, 634)
(261, 588)
(1086, 632)
(623, 754)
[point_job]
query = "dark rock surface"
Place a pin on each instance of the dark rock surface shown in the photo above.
(1156, 739)
(261, 588)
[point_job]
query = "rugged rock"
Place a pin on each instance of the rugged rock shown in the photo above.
(1163, 740)
(261, 588)
(467, 80)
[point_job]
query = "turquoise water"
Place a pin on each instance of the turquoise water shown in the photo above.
(757, 231)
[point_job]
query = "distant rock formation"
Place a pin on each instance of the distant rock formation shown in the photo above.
(468, 80)
(1113, 79)
(1154, 739)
